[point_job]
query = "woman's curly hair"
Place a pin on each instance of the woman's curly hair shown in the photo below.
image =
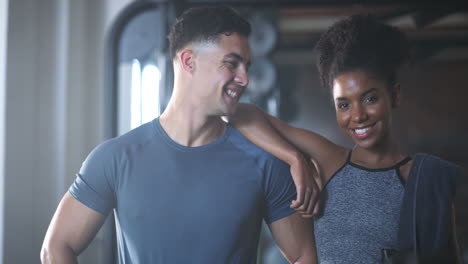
(361, 42)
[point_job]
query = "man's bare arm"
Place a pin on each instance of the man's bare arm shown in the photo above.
(72, 228)
(295, 239)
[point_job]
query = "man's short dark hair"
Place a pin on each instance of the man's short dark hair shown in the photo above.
(205, 24)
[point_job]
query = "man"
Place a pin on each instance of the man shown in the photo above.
(186, 187)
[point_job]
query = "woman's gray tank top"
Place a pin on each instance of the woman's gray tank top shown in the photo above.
(360, 214)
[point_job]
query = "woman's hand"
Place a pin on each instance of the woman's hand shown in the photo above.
(308, 186)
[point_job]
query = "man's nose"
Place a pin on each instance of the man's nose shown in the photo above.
(242, 77)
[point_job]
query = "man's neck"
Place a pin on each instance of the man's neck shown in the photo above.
(189, 127)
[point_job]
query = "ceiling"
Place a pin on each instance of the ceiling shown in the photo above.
(436, 32)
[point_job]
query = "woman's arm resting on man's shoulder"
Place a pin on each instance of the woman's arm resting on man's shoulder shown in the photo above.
(253, 124)
(282, 141)
(285, 141)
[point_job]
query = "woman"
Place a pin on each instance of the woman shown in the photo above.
(376, 198)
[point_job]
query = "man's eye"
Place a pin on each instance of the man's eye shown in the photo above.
(232, 64)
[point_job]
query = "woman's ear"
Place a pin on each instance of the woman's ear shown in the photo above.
(187, 60)
(396, 92)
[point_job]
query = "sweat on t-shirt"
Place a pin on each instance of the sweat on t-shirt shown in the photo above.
(177, 204)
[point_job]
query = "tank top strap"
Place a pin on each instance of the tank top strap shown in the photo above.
(348, 159)
(403, 162)
(396, 166)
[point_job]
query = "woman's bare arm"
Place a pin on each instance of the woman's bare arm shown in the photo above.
(287, 142)
(290, 145)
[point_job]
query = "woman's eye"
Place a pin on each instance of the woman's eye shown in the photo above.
(370, 99)
(343, 105)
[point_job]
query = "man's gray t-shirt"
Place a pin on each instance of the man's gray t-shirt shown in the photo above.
(177, 204)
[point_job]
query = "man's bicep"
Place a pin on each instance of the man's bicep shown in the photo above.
(73, 226)
(295, 239)
(279, 191)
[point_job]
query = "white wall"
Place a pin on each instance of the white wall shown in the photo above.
(3, 37)
(53, 111)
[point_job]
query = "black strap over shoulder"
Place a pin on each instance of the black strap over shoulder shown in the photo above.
(403, 162)
(426, 207)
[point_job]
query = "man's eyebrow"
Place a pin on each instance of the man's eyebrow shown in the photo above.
(237, 57)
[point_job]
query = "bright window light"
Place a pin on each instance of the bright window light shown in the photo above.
(151, 77)
(145, 93)
(135, 104)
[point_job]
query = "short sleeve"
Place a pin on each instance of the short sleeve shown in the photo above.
(279, 190)
(94, 184)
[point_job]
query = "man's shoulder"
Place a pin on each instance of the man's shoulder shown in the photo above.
(137, 136)
(241, 143)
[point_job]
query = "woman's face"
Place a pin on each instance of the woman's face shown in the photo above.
(363, 107)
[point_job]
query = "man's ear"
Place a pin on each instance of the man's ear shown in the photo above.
(396, 92)
(187, 60)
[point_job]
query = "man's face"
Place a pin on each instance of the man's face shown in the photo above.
(220, 75)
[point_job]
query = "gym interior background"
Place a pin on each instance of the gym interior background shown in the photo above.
(74, 73)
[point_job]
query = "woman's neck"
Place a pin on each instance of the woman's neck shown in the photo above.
(381, 156)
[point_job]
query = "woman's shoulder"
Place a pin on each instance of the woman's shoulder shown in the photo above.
(336, 163)
(425, 160)
(430, 168)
